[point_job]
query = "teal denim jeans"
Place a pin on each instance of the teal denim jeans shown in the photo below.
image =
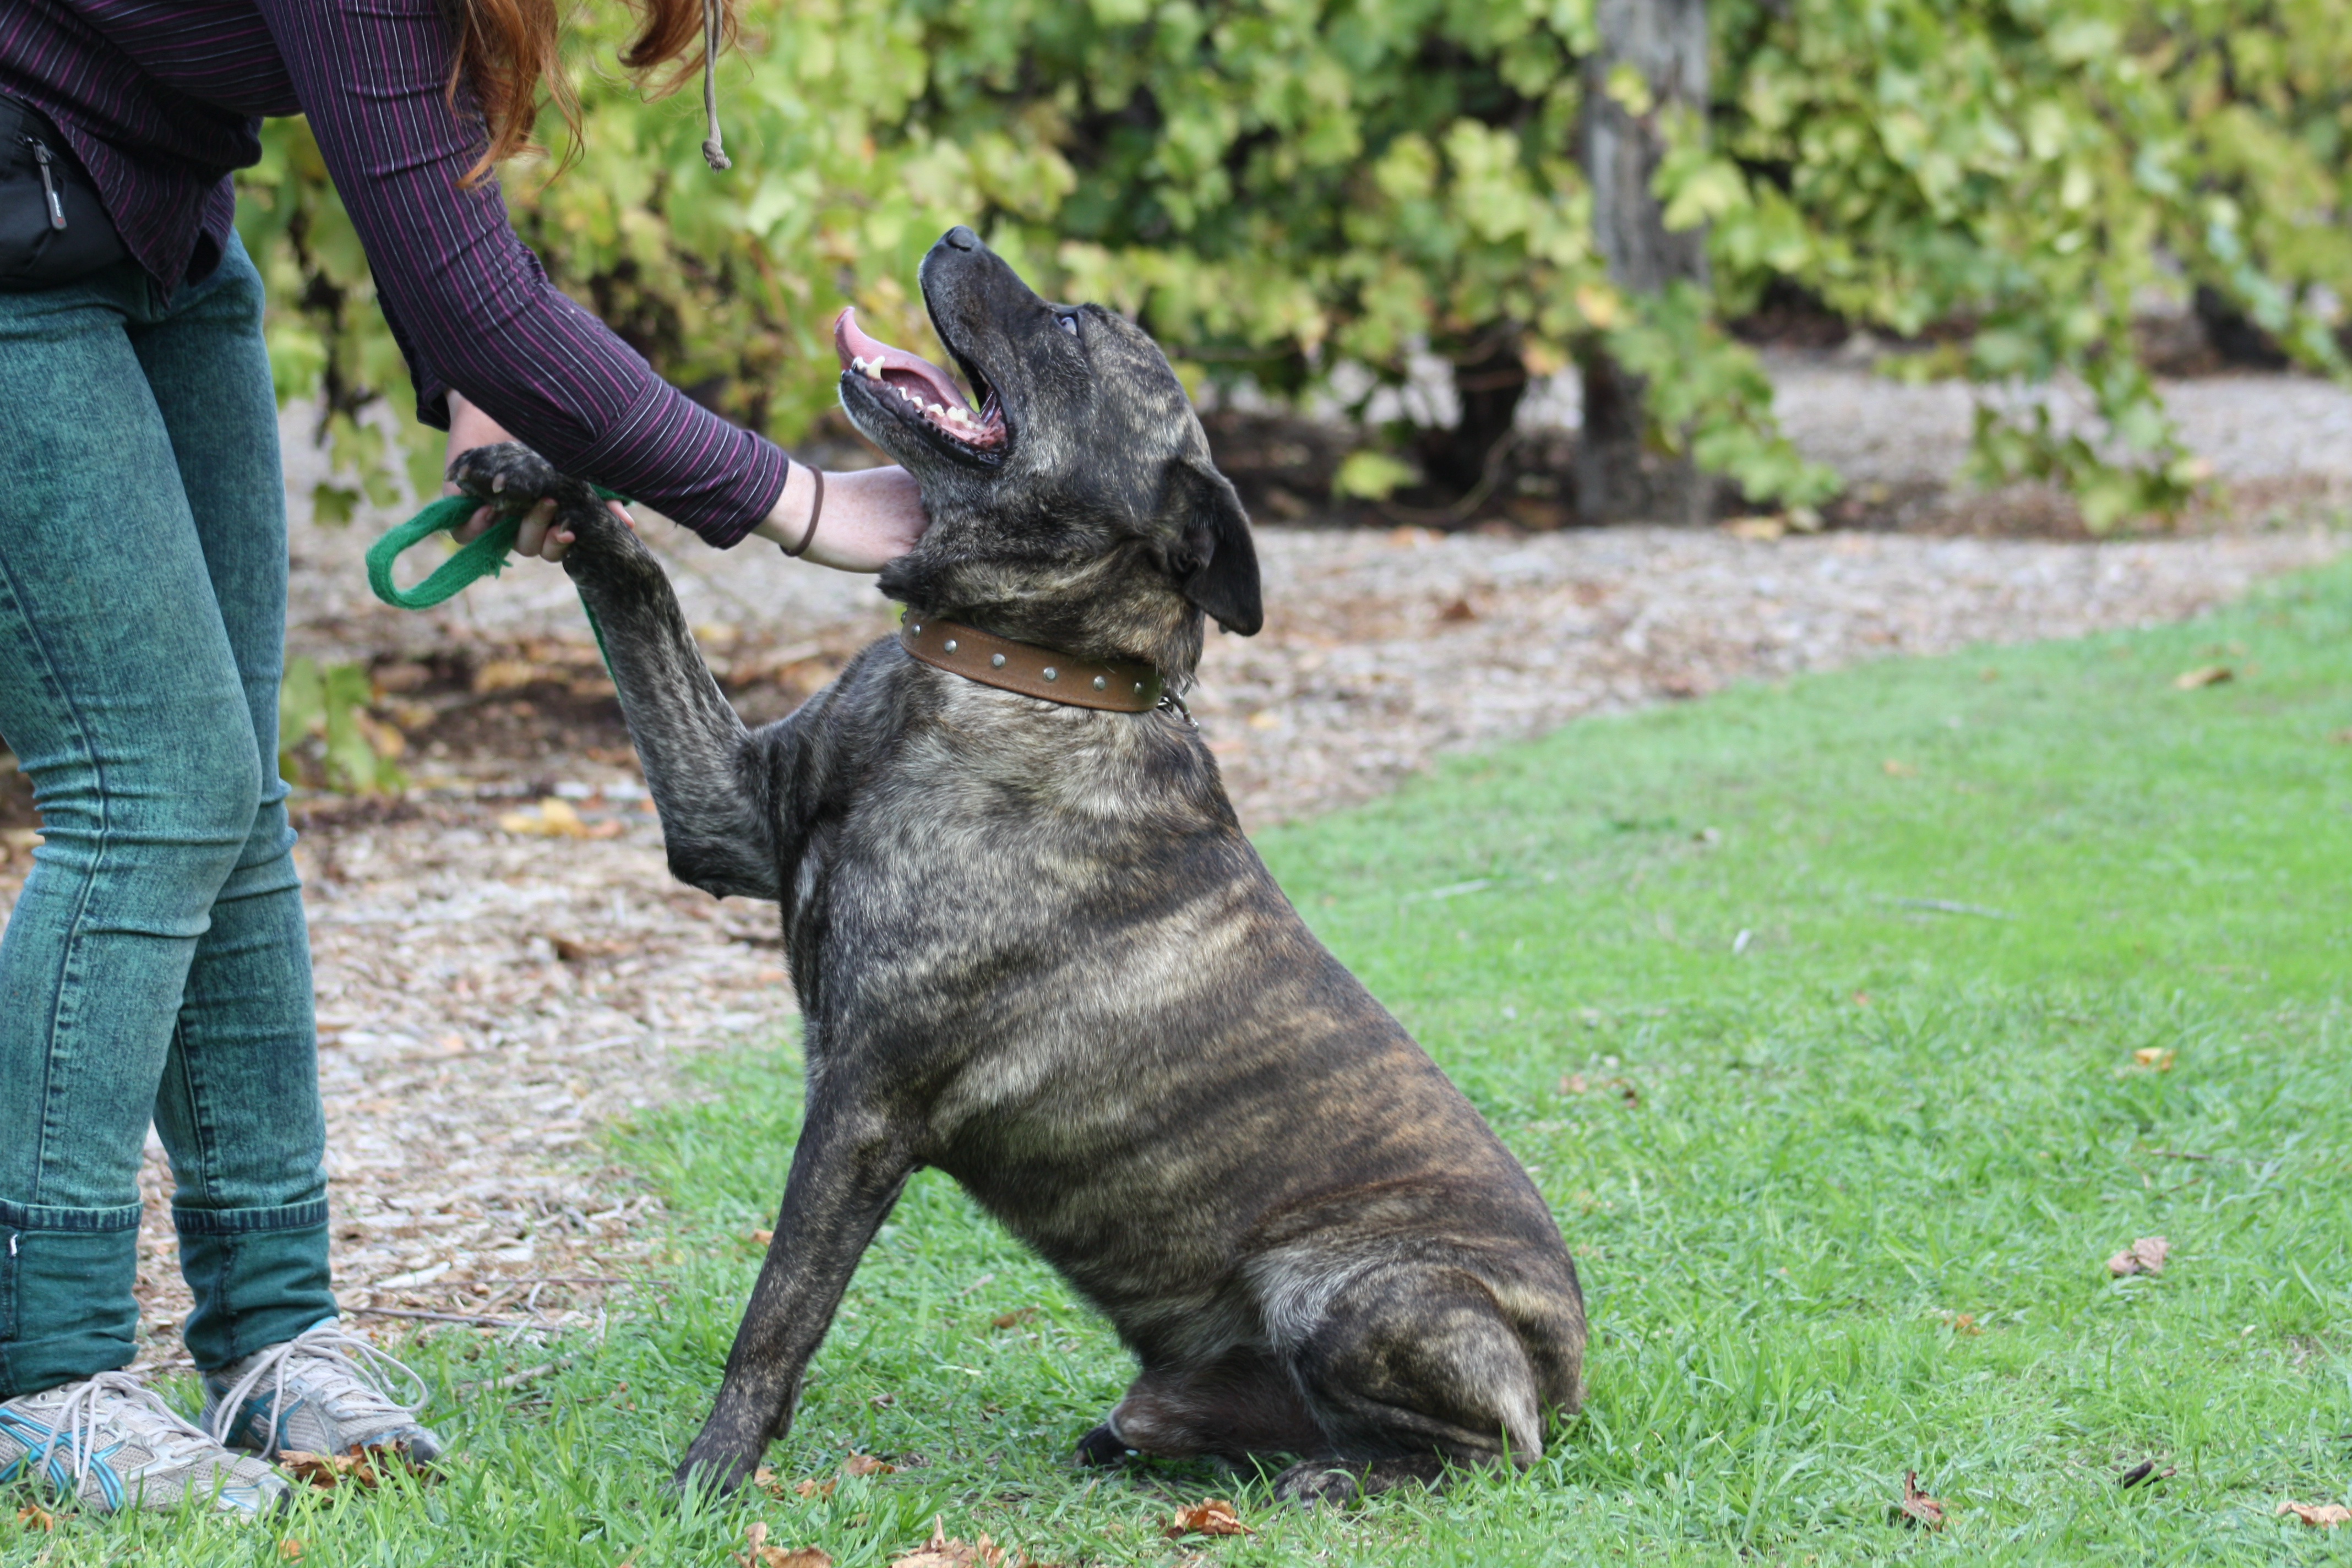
(156, 966)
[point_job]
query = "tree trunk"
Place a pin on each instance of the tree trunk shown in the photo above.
(1489, 388)
(1617, 477)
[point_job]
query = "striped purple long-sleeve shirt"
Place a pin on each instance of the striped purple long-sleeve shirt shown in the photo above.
(161, 100)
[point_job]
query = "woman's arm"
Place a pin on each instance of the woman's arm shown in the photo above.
(372, 75)
(870, 516)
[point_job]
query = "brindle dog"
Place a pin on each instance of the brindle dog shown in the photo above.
(1033, 950)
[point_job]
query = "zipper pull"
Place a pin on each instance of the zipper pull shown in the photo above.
(42, 156)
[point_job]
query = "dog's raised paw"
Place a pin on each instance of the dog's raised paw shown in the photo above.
(507, 472)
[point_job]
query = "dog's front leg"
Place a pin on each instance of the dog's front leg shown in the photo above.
(848, 1169)
(706, 771)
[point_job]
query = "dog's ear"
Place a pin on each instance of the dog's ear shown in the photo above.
(1212, 556)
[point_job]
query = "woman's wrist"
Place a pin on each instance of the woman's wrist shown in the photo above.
(871, 517)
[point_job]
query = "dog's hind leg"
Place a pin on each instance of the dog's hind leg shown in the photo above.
(1410, 1368)
(702, 765)
(1243, 1403)
(847, 1170)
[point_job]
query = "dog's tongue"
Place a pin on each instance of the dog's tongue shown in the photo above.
(870, 356)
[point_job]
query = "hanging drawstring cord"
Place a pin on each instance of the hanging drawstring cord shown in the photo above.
(713, 153)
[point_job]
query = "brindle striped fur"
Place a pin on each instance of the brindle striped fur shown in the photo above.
(1033, 950)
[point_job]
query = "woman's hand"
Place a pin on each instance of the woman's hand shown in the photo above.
(872, 516)
(470, 428)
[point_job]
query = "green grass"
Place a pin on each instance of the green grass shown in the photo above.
(1796, 1161)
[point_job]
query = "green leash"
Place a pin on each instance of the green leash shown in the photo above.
(485, 556)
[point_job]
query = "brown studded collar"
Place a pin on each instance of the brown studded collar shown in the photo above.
(1114, 685)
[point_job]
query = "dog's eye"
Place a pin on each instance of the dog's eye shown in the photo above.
(1069, 325)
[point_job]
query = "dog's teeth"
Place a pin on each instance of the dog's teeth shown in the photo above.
(936, 411)
(874, 367)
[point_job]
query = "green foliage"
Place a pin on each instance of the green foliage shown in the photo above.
(1280, 186)
(2029, 168)
(326, 737)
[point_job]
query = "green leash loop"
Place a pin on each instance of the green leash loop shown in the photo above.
(483, 556)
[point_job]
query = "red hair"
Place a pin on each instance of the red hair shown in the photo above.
(509, 51)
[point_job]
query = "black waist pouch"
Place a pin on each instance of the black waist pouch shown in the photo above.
(53, 228)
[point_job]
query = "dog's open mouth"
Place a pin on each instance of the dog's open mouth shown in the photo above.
(925, 395)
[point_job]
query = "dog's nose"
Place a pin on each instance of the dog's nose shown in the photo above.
(960, 238)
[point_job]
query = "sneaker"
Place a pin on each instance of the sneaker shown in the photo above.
(109, 1442)
(321, 1392)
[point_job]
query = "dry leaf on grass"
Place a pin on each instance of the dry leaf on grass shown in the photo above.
(758, 1553)
(360, 1466)
(1014, 1319)
(2157, 1059)
(1917, 1506)
(943, 1551)
(1215, 1517)
(813, 1487)
(760, 1238)
(1898, 768)
(2146, 1257)
(868, 1464)
(32, 1516)
(2318, 1515)
(290, 1550)
(2204, 675)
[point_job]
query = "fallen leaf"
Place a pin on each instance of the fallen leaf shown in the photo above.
(1458, 611)
(943, 1551)
(1862, 998)
(2342, 737)
(2203, 675)
(2157, 1057)
(1265, 719)
(868, 1464)
(1900, 770)
(1966, 1323)
(758, 1553)
(883, 1401)
(1572, 1084)
(2146, 1257)
(1215, 1517)
(507, 674)
(2318, 1515)
(577, 949)
(816, 1487)
(290, 1550)
(1761, 528)
(556, 819)
(32, 1516)
(762, 1237)
(327, 1471)
(1014, 1319)
(1917, 1506)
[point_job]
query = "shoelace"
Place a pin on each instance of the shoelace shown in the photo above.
(84, 1411)
(346, 1356)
